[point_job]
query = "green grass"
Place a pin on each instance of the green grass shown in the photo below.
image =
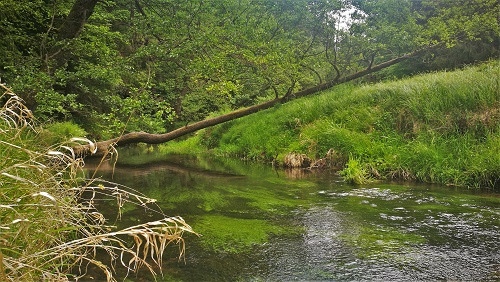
(441, 127)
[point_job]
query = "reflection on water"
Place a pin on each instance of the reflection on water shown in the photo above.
(259, 224)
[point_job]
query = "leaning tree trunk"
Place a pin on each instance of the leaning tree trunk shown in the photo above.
(103, 147)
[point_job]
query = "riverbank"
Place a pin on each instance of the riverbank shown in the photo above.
(51, 226)
(437, 128)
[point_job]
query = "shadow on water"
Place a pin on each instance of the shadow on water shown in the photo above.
(261, 224)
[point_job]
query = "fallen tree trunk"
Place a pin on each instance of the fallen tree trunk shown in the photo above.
(101, 148)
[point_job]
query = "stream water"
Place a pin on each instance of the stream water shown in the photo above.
(262, 224)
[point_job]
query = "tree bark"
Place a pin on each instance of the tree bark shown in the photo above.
(71, 28)
(78, 15)
(103, 147)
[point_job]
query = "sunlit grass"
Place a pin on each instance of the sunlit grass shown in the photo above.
(440, 127)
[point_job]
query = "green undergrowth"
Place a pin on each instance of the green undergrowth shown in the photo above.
(439, 128)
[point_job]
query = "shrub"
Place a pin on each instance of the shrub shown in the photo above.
(59, 132)
(355, 172)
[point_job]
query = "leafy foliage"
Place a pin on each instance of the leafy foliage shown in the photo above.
(143, 65)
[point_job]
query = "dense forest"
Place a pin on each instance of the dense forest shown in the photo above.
(155, 70)
(155, 65)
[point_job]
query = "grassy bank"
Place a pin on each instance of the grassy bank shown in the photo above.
(439, 128)
(50, 224)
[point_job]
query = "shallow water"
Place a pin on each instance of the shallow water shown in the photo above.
(261, 224)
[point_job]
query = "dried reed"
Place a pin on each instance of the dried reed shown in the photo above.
(50, 227)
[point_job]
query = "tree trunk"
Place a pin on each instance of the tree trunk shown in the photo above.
(71, 28)
(149, 138)
(80, 12)
(103, 147)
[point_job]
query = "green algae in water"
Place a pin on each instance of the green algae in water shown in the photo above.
(260, 225)
(236, 235)
(371, 241)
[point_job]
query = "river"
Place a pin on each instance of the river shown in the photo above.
(262, 224)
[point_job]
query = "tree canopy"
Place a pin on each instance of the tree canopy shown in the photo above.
(152, 65)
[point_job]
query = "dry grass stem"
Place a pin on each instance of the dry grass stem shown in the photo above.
(50, 226)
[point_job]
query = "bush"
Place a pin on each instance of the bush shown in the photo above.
(59, 132)
(355, 172)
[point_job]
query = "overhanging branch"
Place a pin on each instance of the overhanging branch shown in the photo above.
(142, 137)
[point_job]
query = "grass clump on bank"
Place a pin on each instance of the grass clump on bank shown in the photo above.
(50, 227)
(440, 128)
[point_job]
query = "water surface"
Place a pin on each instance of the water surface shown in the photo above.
(263, 224)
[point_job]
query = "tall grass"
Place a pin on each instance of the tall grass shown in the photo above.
(441, 127)
(50, 225)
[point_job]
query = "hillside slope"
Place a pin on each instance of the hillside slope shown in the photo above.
(439, 128)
